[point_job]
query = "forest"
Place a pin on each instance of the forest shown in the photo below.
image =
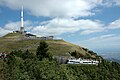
(24, 65)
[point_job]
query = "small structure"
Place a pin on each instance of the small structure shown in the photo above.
(82, 61)
(72, 60)
(50, 37)
(46, 38)
(30, 35)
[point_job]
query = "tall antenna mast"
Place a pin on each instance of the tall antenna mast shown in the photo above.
(22, 22)
(22, 16)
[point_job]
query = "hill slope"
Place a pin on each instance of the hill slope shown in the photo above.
(14, 41)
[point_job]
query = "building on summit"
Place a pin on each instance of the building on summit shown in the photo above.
(29, 35)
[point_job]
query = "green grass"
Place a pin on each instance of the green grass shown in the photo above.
(10, 42)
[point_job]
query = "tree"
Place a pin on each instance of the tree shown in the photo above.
(75, 54)
(28, 55)
(42, 51)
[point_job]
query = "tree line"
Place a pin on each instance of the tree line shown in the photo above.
(22, 65)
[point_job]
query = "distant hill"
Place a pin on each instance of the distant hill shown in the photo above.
(112, 56)
(15, 41)
(114, 60)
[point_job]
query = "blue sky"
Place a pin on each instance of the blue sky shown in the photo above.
(94, 24)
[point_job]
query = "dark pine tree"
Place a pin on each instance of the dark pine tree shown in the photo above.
(42, 51)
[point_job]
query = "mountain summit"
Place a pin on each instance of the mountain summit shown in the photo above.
(17, 41)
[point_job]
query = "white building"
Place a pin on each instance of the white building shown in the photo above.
(82, 61)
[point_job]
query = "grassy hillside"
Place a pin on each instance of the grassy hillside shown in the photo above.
(26, 66)
(12, 41)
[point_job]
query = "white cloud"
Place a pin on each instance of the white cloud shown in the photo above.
(13, 26)
(92, 31)
(114, 25)
(3, 31)
(102, 37)
(59, 8)
(55, 8)
(102, 42)
(110, 3)
(58, 26)
(13, 4)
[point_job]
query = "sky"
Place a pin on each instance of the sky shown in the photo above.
(94, 24)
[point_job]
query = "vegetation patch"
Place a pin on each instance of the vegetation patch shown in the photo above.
(21, 65)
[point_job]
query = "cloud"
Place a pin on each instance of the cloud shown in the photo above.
(117, 2)
(13, 4)
(59, 26)
(110, 3)
(105, 44)
(3, 31)
(13, 26)
(114, 25)
(102, 37)
(59, 8)
(55, 8)
(92, 31)
(106, 41)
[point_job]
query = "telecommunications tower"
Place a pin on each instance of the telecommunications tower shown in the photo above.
(22, 22)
